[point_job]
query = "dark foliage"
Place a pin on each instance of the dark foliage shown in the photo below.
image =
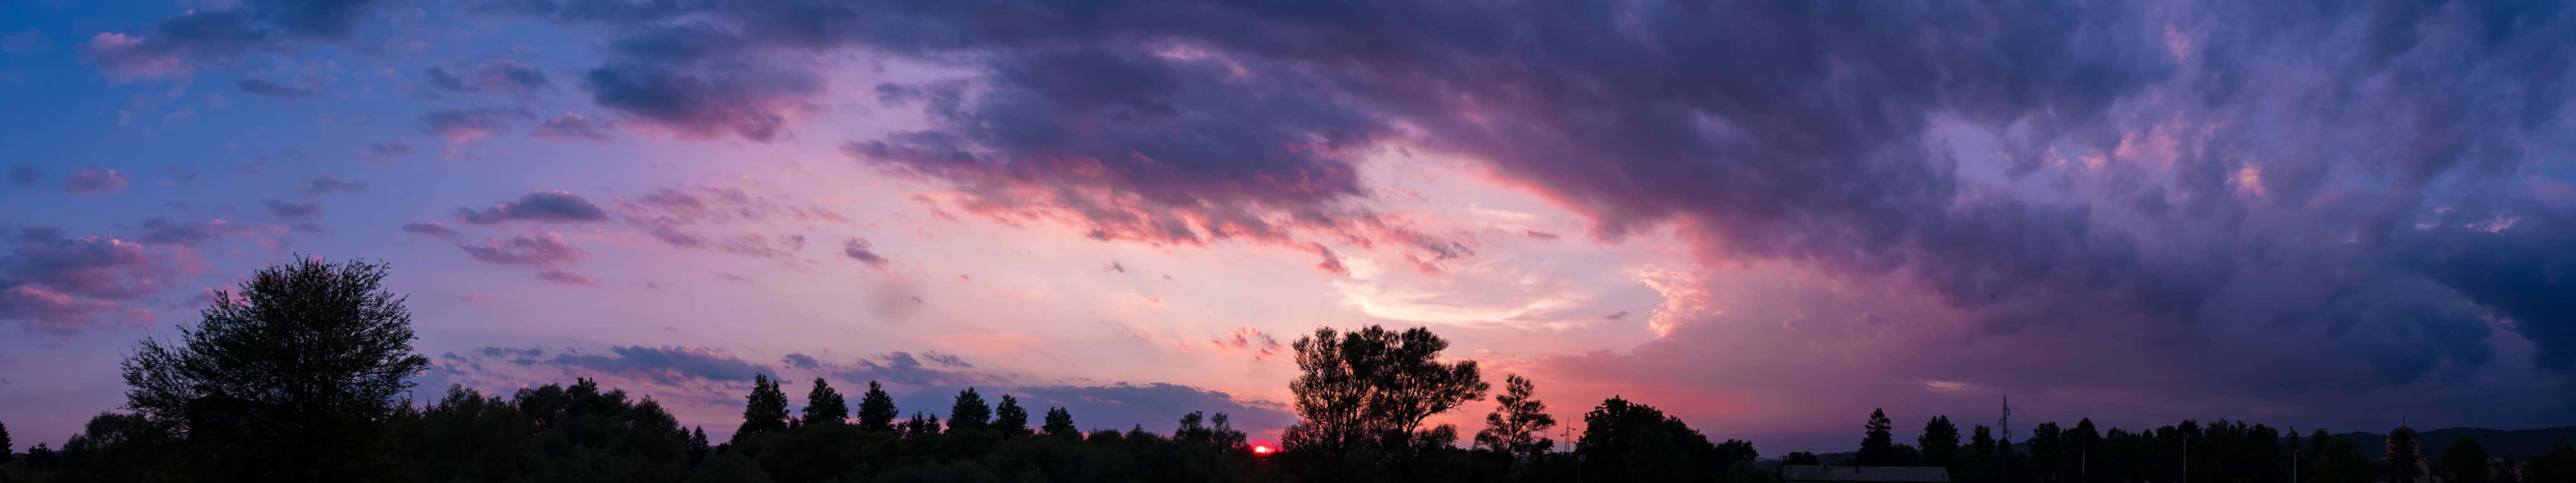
(876, 410)
(823, 405)
(1362, 395)
(275, 379)
(764, 411)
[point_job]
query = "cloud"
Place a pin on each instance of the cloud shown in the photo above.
(536, 206)
(290, 209)
(907, 369)
(390, 148)
(857, 249)
(176, 45)
(800, 361)
(54, 283)
(459, 126)
(500, 76)
(679, 217)
(430, 228)
(263, 87)
(567, 278)
(26, 42)
(544, 250)
(22, 175)
(326, 184)
(700, 96)
(1260, 345)
(94, 181)
(666, 364)
(1154, 406)
(570, 127)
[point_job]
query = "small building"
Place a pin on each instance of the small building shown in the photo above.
(1864, 474)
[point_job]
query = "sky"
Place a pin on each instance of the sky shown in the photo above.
(1764, 218)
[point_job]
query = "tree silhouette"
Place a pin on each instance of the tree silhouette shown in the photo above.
(1877, 444)
(1801, 458)
(2083, 444)
(969, 412)
(1979, 462)
(1370, 389)
(2339, 461)
(2048, 451)
(698, 442)
(280, 368)
(2464, 461)
(876, 409)
(824, 405)
(1939, 442)
(5, 447)
(765, 410)
(2405, 458)
(1519, 423)
(1625, 442)
(1059, 423)
(1010, 418)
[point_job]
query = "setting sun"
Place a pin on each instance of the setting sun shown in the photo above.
(1263, 450)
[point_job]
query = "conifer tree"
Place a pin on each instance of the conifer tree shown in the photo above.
(1010, 418)
(969, 413)
(824, 405)
(876, 409)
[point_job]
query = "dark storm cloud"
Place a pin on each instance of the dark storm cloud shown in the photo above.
(1837, 156)
(667, 365)
(544, 250)
(268, 88)
(500, 76)
(538, 206)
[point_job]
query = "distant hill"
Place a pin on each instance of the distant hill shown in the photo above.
(2517, 444)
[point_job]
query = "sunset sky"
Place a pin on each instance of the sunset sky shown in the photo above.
(1765, 219)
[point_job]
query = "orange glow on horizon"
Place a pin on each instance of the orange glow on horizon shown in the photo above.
(1262, 450)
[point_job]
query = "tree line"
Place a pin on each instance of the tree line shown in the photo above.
(2221, 451)
(297, 376)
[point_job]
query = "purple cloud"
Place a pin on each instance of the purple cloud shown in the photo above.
(326, 184)
(94, 181)
(544, 250)
(429, 228)
(58, 284)
(290, 209)
(571, 127)
(390, 148)
(22, 175)
(857, 249)
(500, 76)
(538, 206)
(667, 364)
(303, 88)
(459, 126)
(567, 278)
